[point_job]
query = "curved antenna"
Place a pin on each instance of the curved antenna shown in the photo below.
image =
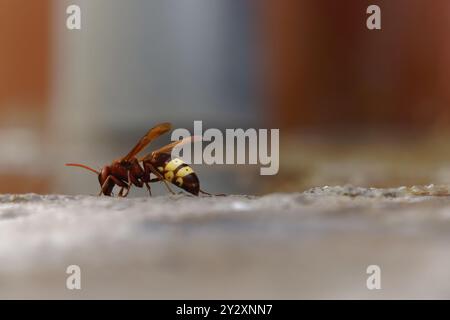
(82, 166)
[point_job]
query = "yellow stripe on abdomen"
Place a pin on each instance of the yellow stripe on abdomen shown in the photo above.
(184, 171)
(168, 175)
(173, 164)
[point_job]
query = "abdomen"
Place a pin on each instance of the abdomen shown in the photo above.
(177, 172)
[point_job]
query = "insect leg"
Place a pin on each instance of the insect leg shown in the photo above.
(128, 187)
(136, 181)
(123, 186)
(148, 188)
(115, 180)
(103, 186)
(159, 175)
(209, 194)
(150, 181)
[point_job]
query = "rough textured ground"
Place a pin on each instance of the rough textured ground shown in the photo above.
(316, 244)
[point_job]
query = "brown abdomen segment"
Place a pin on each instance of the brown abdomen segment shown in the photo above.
(190, 184)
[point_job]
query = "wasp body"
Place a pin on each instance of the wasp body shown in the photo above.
(127, 171)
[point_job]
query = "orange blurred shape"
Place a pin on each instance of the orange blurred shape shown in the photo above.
(325, 69)
(24, 80)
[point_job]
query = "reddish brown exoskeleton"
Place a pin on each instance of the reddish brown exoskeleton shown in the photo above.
(127, 171)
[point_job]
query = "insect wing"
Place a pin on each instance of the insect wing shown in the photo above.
(168, 148)
(152, 134)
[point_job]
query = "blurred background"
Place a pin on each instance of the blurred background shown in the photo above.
(354, 106)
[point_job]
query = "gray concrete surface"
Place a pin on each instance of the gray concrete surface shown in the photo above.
(315, 244)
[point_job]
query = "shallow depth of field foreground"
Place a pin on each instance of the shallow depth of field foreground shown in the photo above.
(315, 244)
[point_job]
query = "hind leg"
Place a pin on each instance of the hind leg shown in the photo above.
(160, 177)
(209, 194)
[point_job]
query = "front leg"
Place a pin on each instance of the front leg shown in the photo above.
(128, 188)
(104, 188)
